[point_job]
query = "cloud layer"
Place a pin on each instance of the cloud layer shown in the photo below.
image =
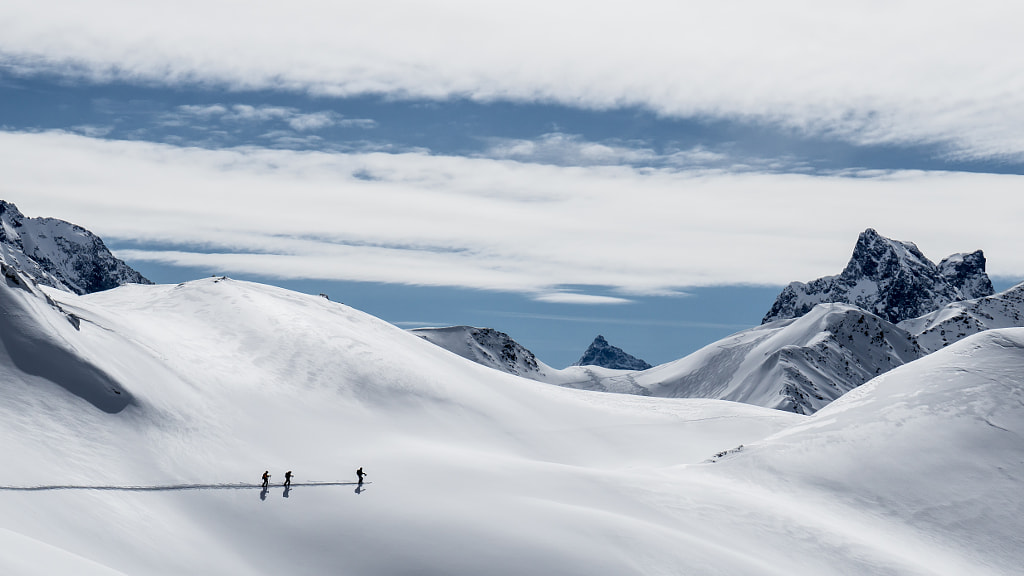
(869, 72)
(497, 224)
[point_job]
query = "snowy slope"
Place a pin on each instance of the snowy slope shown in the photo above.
(486, 346)
(890, 278)
(924, 464)
(59, 254)
(958, 320)
(798, 365)
(473, 471)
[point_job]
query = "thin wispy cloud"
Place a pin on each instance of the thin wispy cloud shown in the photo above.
(898, 73)
(246, 113)
(563, 149)
(565, 297)
(437, 220)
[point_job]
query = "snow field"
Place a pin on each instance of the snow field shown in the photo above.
(474, 471)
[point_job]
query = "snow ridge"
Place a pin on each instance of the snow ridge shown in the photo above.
(890, 278)
(601, 353)
(59, 254)
(959, 320)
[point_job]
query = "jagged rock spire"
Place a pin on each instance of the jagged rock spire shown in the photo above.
(890, 278)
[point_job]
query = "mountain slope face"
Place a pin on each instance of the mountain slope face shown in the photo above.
(485, 346)
(798, 365)
(958, 320)
(601, 353)
(60, 254)
(890, 278)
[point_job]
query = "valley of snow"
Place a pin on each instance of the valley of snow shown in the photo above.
(137, 422)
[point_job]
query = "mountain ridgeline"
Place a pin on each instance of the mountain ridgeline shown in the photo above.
(890, 306)
(59, 254)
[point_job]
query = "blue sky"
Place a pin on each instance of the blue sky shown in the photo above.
(650, 171)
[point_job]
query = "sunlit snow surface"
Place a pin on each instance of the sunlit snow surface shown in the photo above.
(473, 471)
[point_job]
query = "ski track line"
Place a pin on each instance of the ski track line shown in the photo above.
(169, 487)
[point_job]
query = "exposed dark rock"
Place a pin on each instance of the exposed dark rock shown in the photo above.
(601, 353)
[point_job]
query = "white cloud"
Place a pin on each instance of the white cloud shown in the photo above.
(246, 113)
(909, 71)
(93, 131)
(569, 150)
(203, 111)
(497, 224)
(573, 150)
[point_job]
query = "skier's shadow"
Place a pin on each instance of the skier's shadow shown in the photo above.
(263, 493)
(360, 489)
(287, 491)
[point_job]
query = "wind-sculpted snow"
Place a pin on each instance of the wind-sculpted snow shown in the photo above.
(474, 471)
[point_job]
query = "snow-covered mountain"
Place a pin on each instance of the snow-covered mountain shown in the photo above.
(958, 320)
(485, 346)
(473, 471)
(601, 353)
(890, 278)
(798, 365)
(59, 254)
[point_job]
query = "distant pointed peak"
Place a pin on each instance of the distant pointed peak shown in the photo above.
(601, 353)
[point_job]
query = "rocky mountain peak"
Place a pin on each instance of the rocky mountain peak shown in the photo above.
(601, 353)
(485, 346)
(966, 272)
(59, 254)
(890, 278)
(876, 258)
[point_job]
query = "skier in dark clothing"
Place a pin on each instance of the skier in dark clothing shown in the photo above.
(266, 478)
(360, 474)
(288, 478)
